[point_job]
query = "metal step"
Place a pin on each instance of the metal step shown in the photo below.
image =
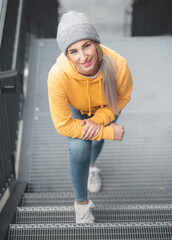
(109, 231)
(101, 198)
(103, 214)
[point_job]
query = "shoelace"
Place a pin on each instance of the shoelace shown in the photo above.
(88, 215)
(93, 177)
(88, 212)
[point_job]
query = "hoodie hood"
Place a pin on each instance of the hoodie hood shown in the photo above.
(69, 69)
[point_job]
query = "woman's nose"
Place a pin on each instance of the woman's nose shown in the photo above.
(83, 56)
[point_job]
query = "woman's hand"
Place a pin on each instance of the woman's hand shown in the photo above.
(91, 129)
(118, 131)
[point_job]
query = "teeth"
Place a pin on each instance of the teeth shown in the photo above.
(86, 62)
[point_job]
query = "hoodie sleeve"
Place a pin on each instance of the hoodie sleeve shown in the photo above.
(62, 116)
(124, 85)
(105, 115)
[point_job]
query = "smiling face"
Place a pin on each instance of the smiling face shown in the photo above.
(83, 55)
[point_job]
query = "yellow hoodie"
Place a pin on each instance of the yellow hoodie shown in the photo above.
(66, 86)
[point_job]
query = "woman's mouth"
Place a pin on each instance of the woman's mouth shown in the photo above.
(86, 64)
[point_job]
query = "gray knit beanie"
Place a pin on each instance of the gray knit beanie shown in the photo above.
(75, 26)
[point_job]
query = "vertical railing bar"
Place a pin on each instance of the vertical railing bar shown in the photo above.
(3, 8)
(17, 35)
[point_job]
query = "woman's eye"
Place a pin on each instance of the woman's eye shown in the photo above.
(86, 46)
(72, 52)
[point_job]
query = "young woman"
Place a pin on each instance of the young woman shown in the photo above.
(88, 87)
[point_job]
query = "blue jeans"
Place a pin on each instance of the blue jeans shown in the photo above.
(82, 153)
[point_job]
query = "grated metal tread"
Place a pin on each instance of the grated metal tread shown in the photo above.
(110, 231)
(101, 198)
(103, 214)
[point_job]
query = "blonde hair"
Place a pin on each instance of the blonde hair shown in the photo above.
(109, 72)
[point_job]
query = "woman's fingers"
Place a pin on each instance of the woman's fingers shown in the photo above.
(118, 132)
(83, 122)
(89, 132)
(85, 132)
(91, 129)
(97, 131)
(92, 133)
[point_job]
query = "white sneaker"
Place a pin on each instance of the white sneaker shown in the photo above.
(84, 213)
(94, 181)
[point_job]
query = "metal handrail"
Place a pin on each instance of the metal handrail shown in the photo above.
(3, 8)
(13, 71)
(16, 43)
(8, 74)
(11, 86)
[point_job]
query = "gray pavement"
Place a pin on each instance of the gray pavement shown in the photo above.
(111, 16)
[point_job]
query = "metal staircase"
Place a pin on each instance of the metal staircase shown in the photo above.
(136, 197)
(132, 215)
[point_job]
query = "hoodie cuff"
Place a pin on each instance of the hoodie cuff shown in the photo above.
(108, 133)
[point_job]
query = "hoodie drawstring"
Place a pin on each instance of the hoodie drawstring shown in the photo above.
(89, 104)
(100, 94)
(88, 96)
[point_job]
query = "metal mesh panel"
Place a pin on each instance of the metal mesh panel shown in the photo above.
(102, 198)
(137, 213)
(134, 231)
